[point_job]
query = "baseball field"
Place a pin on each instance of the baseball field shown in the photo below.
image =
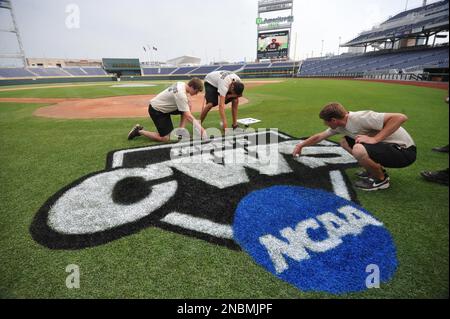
(41, 155)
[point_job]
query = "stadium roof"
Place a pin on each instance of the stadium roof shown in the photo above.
(427, 8)
(6, 4)
(426, 20)
(184, 60)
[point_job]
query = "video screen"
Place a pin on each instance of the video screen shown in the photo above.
(273, 45)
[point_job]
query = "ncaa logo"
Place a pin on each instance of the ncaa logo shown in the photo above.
(313, 239)
(296, 217)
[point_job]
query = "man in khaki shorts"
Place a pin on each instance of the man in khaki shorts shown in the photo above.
(172, 101)
(376, 140)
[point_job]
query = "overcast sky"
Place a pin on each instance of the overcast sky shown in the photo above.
(210, 29)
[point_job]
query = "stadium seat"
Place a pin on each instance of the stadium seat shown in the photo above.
(378, 61)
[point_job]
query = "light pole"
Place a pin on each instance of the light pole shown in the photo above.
(295, 54)
(339, 47)
(321, 51)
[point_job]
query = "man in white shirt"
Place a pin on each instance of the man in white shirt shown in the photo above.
(221, 88)
(376, 140)
(172, 101)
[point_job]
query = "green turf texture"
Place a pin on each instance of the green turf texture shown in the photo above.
(82, 91)
(40, 156)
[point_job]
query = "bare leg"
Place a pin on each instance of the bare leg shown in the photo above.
(234, 110)
(345, 146)
(154, 136)
(205, 111)
(361, 155)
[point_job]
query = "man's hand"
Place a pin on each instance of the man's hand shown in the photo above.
(366, 139)
(297, 150)
(223, 127)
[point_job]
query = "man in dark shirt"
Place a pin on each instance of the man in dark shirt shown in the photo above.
(273, 46)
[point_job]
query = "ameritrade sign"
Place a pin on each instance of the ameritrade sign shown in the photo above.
(279, 20)
(297, 217)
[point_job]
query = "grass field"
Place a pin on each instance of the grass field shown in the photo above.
(40, 156)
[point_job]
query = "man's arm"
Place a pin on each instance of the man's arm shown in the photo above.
(392, 122)
(183, 121)
(311, 141)
(222, 112)
(183, 118)
(183, 103)
(187, 116)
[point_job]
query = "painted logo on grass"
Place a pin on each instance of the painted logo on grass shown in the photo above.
(313, 239)
(149, 186)
(154, 187)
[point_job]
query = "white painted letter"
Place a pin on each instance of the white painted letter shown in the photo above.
(373, 280)
(73, 280)
(73, 18)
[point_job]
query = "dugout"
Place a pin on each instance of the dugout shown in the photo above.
(122, 67)
(437, 74)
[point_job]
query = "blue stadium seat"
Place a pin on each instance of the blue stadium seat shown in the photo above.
(380, 61)
(15, 73)
(418, 10)
(185, 70)
(205, 70)
(257, 66)
(75, 71)
(48, 72)
(231, 67)
(94, 71)
(415, 21)
(282, 65)
(158, 71)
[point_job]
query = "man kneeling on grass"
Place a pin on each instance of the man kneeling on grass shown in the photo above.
(376, 140)
(172, 101)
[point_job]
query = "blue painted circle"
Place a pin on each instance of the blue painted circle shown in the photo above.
(341, 269)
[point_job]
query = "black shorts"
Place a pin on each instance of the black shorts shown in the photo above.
(163, 121)
(212, 95)
(388, 155)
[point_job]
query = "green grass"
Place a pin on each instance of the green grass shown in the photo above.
(39, 156)
(81, 91)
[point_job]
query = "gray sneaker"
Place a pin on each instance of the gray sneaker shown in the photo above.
(372, 184)
(440, 177)
(443, 149)
(364, 174)
(135, 131)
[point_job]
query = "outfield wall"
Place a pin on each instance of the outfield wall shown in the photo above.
(202, 76)
(53, 80)
(5, 82)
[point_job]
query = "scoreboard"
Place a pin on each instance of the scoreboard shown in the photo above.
(274, 33)
(5, 4)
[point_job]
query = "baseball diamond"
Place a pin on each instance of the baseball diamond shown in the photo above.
(209, 154)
